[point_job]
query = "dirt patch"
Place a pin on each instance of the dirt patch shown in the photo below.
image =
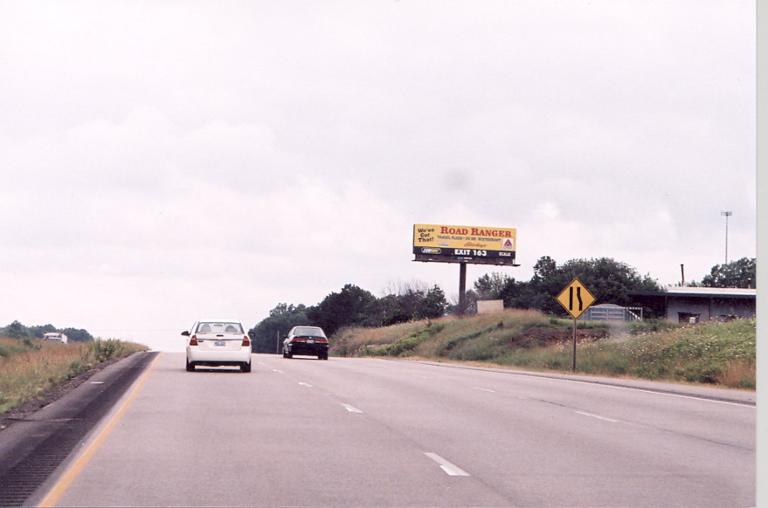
(546, 336)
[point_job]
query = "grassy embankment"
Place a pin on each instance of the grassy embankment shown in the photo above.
(716, 353)
(29, 368)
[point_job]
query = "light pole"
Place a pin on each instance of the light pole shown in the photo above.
(726, 214)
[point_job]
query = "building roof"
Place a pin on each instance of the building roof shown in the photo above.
(711, 292)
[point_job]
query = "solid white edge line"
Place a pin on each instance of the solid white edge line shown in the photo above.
(448, 467)
(694, 397)
(603, 385)
(584, 413)
(350, 408)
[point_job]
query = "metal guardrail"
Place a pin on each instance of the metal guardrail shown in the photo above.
(599, 313)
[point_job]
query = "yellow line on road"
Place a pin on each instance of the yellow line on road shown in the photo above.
(74, 470)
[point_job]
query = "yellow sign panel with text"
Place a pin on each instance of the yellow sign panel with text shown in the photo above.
(438, 236)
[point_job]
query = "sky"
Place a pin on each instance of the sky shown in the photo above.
(162, 162)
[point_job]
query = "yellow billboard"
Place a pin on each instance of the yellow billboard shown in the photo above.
(470, 244)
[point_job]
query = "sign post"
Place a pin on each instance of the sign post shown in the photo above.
(575, 299)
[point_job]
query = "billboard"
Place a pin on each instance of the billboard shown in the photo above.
(464, 244)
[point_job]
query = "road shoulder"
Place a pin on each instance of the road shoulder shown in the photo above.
(35, 444)
(746, 397)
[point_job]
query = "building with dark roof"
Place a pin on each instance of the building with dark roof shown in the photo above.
(693, 304)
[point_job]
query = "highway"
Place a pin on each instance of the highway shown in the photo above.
(374, 432)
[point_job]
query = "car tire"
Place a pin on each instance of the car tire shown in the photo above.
(190, 367)
(285, 355)
(289, 355)
(245, 367)
(325, 356)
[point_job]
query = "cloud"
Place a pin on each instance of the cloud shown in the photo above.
(164, 160)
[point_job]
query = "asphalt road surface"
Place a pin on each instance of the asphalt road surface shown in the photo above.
(370, 432)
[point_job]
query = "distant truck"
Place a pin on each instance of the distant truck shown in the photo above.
(57, 336)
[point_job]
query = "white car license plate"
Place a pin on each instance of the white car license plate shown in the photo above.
(310, 341)
(219, 343)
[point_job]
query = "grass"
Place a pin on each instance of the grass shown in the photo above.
(31, 367)
(475, 338)
(713, 353)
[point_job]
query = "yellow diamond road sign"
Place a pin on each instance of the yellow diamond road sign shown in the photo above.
(575, 298)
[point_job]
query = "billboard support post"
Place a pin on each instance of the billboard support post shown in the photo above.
(462, 288)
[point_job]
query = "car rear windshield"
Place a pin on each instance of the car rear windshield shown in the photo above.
(219, 327)
(308, 331)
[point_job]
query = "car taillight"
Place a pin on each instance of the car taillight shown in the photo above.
(193, 341)
(246, 341)
(321, 340)
(299, 339)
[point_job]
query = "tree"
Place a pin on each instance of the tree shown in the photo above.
(77, 334)
(491, 286)
(433, 304)
(545, 268)
(267, 335)
(16, 330)
(470, 304)
(736, 274)
(609, 280)
(39, 331)
(351, 306)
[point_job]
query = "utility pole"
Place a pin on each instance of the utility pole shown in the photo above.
(726, 214)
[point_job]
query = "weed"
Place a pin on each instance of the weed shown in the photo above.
(30, 368)
(717, 353)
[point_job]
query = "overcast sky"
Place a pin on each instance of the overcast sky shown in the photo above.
(165, 161)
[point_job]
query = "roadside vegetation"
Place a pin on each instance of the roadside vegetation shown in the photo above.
(715, 353)
(612, 281)
(31, 367)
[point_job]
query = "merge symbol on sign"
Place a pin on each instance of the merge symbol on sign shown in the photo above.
(575, 298)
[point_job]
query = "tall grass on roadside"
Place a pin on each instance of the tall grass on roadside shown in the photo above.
(482, 337)
(30, 368)
(718, 353)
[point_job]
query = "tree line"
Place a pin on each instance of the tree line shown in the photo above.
(613, 281)
(351, 306)
(16, 330)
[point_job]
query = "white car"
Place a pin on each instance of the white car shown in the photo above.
(214, 342)
(57, 336)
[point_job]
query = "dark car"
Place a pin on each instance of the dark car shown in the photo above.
(306, 340)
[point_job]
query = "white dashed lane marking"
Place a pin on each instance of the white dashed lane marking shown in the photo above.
(305, 384)
(350, 408)
(605, 418)
(449, 468)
